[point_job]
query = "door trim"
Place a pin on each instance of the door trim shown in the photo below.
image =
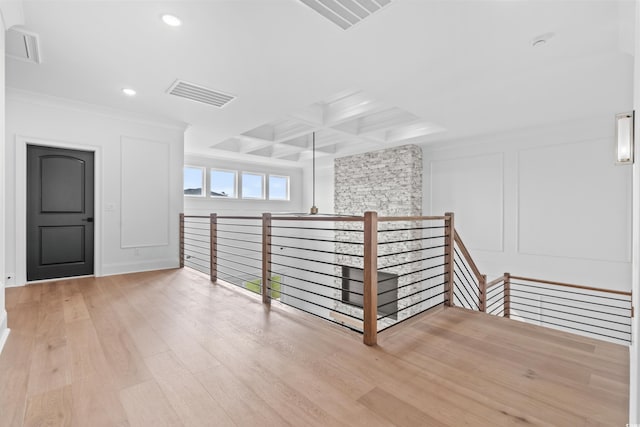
(21, 201)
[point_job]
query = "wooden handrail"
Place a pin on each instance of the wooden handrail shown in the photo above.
(496, 281)
(332, 218)
(319, 218)
(195, 216)
(239, 217)
(467, 256)
(411, 218)
(569, 285)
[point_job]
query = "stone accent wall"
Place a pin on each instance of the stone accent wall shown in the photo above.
(390, 183)
(386, 181)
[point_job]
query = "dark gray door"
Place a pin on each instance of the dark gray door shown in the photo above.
(59, 212)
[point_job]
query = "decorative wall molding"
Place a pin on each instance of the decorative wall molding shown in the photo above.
(145, 199)
(568, 202)
(462, 185)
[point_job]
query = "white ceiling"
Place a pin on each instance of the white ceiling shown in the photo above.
(462, 67)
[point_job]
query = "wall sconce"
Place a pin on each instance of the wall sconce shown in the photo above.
(624, 138)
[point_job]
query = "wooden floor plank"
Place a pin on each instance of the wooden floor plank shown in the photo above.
(398, 412)
(244, 407)
(52, 408)
(96, 404)
(146, 405)
(188, 398)
(171, 348)
(49, 368)
(75, 308)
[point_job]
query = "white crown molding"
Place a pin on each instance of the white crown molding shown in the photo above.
(73, 105)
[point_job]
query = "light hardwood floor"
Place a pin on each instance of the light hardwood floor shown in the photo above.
(170, 348)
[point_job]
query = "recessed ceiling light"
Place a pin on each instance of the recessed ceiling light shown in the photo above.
(171, 20)
(541, 40)
(128, 91)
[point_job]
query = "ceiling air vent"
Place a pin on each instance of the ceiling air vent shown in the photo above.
(23, 45)
(346, 13)
(200, 93)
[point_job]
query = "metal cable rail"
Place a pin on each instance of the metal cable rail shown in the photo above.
(289, 276)
(466, 281)
(412, 250)
(233, 245)
(569, 327)
(410, 295)
(513, 306)
(412, 305)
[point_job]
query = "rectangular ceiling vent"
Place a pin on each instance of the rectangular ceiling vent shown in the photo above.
(346, 13)
(200, 93)
(23, 45)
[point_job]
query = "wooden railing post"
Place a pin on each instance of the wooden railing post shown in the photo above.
(370, 297)
(266, 258)
(181, 249)
(449, 232)
(507, 295)
(482, 284)
(213, 247)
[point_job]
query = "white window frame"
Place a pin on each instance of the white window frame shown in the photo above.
(204, 181)
(235, 183)
(288, 195)
(264, 183)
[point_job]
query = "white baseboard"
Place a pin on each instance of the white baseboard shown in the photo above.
(14, 285)
(137, 267)
(4, 331)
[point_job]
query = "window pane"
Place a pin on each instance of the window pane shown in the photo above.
(223, 183)
(278, 187)
(252, 186)
(193, 180)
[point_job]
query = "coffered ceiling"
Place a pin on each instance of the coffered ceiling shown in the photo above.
(344, 123)
(414, 71)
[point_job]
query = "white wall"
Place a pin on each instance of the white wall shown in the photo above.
(547, 203)
(11, 13)
(325, 183)
(51, 121)
(222, 206)
(634, 374)
(4, 331)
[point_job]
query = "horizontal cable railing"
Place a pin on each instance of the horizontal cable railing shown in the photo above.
(362, 272)
(599, 313)
(238, 254)
(495, 301)
(195, 242)
(369, 273)
(468, 283)
(321, 263)
(411, 262)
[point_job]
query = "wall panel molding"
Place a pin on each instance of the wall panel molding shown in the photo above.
(473, 188)
(145, 193)
(569, 202)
